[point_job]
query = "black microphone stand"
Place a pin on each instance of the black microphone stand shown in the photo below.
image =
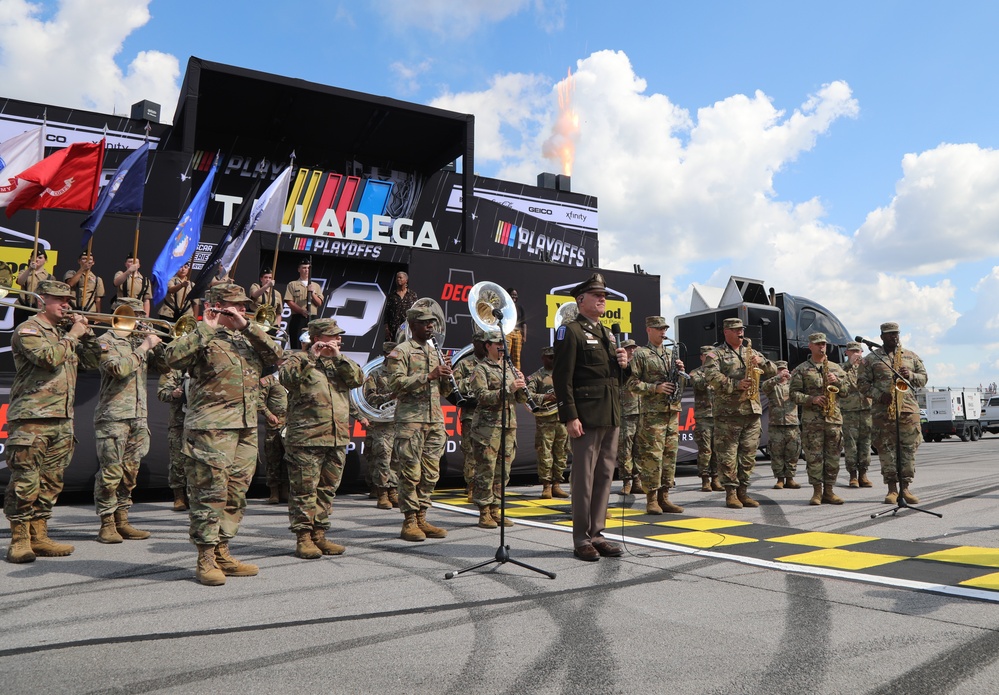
(900, 502)
(502, 555)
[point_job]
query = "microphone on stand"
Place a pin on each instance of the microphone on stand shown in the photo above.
(869, 343)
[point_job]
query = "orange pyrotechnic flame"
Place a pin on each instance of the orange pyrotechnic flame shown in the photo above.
(561, 145)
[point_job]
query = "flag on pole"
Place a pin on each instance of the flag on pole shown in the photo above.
(68, 179)
(17, 154)
(183, 241)
(266, 215)
(123, 193)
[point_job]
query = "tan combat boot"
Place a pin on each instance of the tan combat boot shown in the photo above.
(908, 496)
(853, 480)
(486, 519)
(626, 486)
(109, 532)
(429, 530)
(42, 545)
(557, 491)
(546, 491)
(892, 496)
(327, 546)
(383, 500)
(816, 494)
(664, 503)
(494, 509)
(410, 530)
(829, 495)
(275, 494)
(715, 485)
(862, 479)
(743, 495)
(779, 485)
(732, 498)
(790, 484)
(229, 565)
(20, 543)
(179, 500)
(208, 573)
(127, 531)
(304, 547)
(638, 488)
(705, 483)
(393, 494)
(652, 503)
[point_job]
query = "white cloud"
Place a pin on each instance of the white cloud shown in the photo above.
(407, 76)
(447, 18)
(68, 57)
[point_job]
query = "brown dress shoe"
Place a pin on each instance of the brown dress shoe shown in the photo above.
(608, 549)
(586, 552)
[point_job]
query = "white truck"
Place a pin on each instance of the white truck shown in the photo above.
(953, 412)
(990, 414)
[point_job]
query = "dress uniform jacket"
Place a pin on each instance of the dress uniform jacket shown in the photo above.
(586, 374)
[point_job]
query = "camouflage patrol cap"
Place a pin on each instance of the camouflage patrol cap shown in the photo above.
(131, 302)
(388, 347)
(548, 352)
(732, 323)
(492, 337)
(420, 314)
(853, 345)
(705, 349)
(228, 292)
(320, 327)
(889, 327)
(655, 322)
(818, 337)
(629, 344)
(54, 288)
(781, 364)
(595, 282)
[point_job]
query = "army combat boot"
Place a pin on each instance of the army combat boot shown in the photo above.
(829, 495)
(790, 484)
(546, 490)
(732, 498)
(652, 503)
(125, 529)
(744, 497)
(486, 519)
(779, 485)
(275, 494)
(664, 503)
(327, 546)
(393, 494)
(638, 488)
(816, 494)
(853, 480)
(626, 487)
(109, 532)
(383, 499)
(20, 543)
(705, 483)
(208, 573)
(410, 530)
(229, 565)
(892, 496)
(179, 500)
(862, 479)
(304, 547)
(494, 509)
(557, 491)
(908, 496)
(715, 485)
(42, 545)
(429, 530)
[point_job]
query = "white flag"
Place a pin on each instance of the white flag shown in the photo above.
(17, 154)
(265, 215)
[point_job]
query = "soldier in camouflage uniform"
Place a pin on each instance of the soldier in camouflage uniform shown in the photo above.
(380, 436)
(551, 441)
(707, 464)
(487, 428)
(785, 434)
(462, 375)
(225, 357)
(418, 378)
(737, 412)
(274, 407)
(318, 383)
(121, 430)
(170, 389)
(877, 382)
(812, 384)
(856, 408)
(39, 442)
(658, 434)
(630, 403)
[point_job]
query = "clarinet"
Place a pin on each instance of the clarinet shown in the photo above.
(454, 382)
(675, 374)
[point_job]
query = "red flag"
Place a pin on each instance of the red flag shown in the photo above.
(68, 179)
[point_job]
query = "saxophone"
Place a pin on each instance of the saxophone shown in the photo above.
(674, 376)
(754, 374)
(829, 410)
(899, 385)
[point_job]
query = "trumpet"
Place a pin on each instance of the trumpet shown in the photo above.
(124, 320)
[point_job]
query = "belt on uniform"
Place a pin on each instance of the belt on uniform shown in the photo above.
(610, 381)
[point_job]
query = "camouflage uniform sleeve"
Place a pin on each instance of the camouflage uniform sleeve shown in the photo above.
(534, 384)
(262, 400)
(845, 384)
(44, 354)
(399, 378)
(918, 376)
(636, 382)
(797, 386)
(168, 383)
(479, 387)
(156, 359)
(119, 361)
(89, 351)
(294, 369)
(865, 378)
(768, 386)
(348, 370)
(269, 351)
(181, 353)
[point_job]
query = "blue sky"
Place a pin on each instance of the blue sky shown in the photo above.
(840, 151)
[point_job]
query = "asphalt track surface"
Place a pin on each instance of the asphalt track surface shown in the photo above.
(686, 614)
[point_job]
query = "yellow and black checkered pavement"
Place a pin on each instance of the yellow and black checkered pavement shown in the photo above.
(967, 571)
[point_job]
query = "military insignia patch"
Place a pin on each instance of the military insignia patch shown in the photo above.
(28, 330)
(560, 333)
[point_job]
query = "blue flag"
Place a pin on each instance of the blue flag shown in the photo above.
(184, 240)
(123, 193)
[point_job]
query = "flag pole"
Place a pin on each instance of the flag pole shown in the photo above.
(277, 241)
(138, 222)
(38, 217)
(83, 301)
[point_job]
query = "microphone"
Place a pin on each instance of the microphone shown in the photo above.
(616, 330)
(869, 343)
(498, 314)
